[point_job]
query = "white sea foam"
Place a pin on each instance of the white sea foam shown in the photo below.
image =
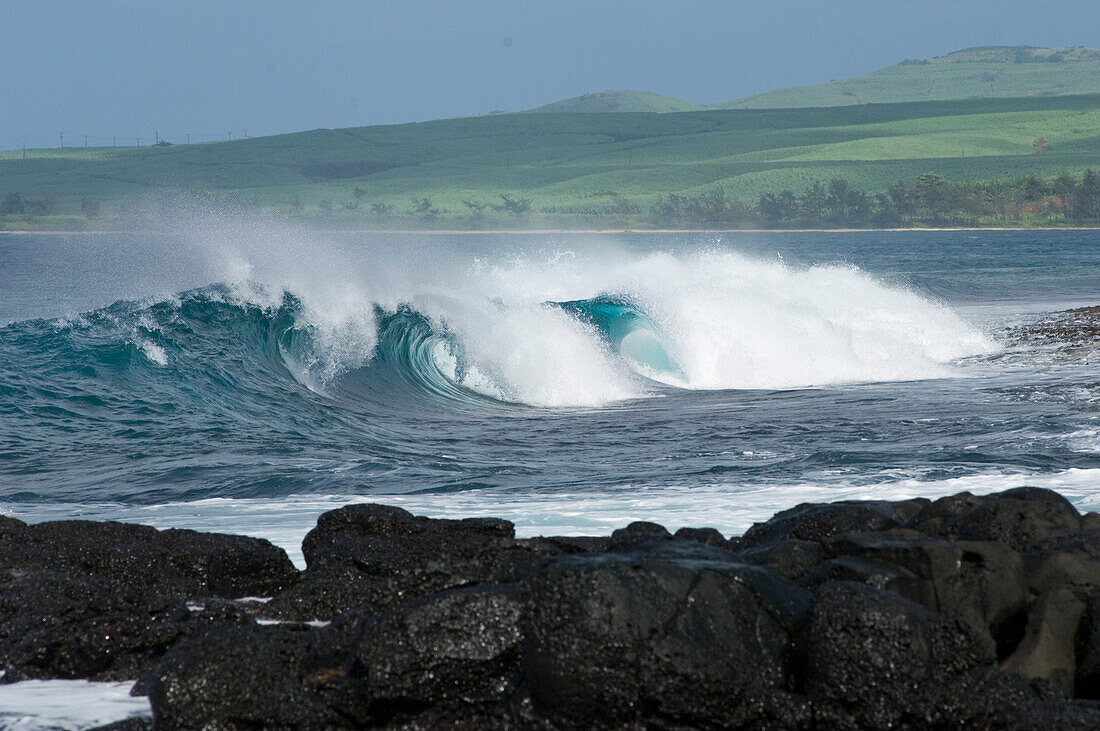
(730, 507)
(153, 352)
(67, 704)
(727, 320)
(1085, 440)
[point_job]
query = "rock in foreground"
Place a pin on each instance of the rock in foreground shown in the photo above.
(978, 612)
(104, 601)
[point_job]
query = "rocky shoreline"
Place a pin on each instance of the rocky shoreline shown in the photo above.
(978, 612)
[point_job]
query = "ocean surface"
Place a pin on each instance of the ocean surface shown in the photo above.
(244, 376)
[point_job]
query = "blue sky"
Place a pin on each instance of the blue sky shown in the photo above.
(115, 69)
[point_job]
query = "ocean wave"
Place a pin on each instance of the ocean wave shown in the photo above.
(545, 333)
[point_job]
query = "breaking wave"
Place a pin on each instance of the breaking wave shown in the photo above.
(516, 333)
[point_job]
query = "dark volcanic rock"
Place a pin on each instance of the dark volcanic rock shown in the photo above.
(790, 558)
(105, 600)
(821, 521)
(706, 536)
(1052, 570)
(972, 612)
(986, 579)
(376, 556)
(374, 529)
(8, 523)
(1048, 649)
(637, 533)
(885, 661)
(170, 562)
(1023, 519)
(1087, 681)
(429, 654)
(238, 678)
(563, 545)
(619, 640)
(84, 632)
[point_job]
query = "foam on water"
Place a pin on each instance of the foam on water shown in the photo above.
(305, 371)
(1085, 440)
(67, 704)
(731, 508)
(727, 320)
(153, 352)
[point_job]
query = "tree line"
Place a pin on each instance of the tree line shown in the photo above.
(15, 203)
(928, 201)
(931, 200)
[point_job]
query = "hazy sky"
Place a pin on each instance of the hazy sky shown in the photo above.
(127, 69)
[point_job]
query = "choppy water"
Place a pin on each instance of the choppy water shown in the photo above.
(245, 377)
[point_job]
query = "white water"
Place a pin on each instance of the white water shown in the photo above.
(729, 321)
(730, 508)
(67, 704)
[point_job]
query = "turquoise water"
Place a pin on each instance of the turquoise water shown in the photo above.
(247, 377)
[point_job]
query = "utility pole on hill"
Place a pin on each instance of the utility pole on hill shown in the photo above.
(85, 140)
(62, 135)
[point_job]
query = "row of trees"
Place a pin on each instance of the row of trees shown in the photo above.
(16, 204)
(424, 209)
(929, 200)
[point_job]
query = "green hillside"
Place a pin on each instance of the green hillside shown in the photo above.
(618, 101)
(990, 72)
(581, 166)
(973, 73)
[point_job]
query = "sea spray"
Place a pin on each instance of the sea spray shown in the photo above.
(362, 365)
(721, 319)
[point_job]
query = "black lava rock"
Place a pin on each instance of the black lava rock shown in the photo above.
(884, 661)
(238, 678)
(1022, 519)
(691, 641)
(105, 600)
(377, 556)
(637, 533)
(426, 660)
(972, 612)
(821, 521)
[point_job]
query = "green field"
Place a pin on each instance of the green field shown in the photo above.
(975, 73)
(580, 166)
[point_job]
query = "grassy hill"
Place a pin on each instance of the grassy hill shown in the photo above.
(618, 101)
(973, 73)
(578, 166)
(988, 72)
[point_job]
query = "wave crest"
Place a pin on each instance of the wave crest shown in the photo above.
(554, 333)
